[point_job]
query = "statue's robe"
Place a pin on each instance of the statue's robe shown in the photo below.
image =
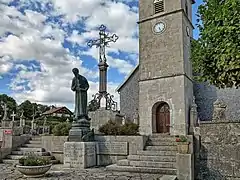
(80, 96)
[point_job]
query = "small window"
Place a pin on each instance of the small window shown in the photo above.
(158, 6)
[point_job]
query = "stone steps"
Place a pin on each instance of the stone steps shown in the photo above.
(161, 148)
(35, 142)
(159, 156)
(160, 143)
(157, 153)
(163, 139)
(126, 162)
(152, 158)
(36, 138)
(32, 145)
(26, 149)
(17, 157)
(26, 153)
(168, 177)
(10, 161)
(167, 171)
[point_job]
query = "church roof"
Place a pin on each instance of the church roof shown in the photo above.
(126, 80)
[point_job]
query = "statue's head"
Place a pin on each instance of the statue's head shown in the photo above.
(75, 71)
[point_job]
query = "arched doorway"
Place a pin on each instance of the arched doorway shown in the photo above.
(163, 118)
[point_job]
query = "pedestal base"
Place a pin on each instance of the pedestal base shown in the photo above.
(81, 132)
(185, 166)
(7, 124)
(79, 154)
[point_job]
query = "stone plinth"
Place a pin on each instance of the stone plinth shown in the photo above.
(185, 166)
(79, 154)
(80, 131)
(7, 124)
(102, 116)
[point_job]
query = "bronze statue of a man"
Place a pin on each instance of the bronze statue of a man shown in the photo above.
(80, 86)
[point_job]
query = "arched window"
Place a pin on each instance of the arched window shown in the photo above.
(158, 6)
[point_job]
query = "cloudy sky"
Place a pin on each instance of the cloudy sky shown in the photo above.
(42, 40)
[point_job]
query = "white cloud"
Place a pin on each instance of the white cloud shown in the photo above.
(35, 48)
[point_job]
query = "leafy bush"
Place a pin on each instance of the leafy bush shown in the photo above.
(112, 128)
(129, 129)
(33, 160)
(26, 129)
(61, 129)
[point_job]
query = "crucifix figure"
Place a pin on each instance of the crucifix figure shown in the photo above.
(13, 116)
(101, 43)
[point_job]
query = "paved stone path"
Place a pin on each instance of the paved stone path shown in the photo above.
(57, 172)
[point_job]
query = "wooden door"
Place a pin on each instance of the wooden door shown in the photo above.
(163, 118)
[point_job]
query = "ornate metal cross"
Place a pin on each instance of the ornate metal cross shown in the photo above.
(102, 42)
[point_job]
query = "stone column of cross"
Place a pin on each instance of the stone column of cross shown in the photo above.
(33, 119)
(21, 119)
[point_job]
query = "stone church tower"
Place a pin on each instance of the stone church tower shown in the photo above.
(165, 84)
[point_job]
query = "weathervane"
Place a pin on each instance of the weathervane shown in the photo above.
(101, 43)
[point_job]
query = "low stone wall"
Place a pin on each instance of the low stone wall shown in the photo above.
(110, 149)
(102, 116)
(219, 150)
(17, 141)
(10, 143)
(54, 145)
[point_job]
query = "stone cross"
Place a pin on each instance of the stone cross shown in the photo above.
(45, 121)
(21, 120)
(5, 109)
(13, 116)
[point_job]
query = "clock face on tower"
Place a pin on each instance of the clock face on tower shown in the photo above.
(159, 27)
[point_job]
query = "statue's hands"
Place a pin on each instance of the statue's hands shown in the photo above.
(81, 89)
(78, 89)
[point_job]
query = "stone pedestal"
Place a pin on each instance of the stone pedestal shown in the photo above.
(79, 154)
(185, 166)
(102, 116)
(7, 124)
(80, 131)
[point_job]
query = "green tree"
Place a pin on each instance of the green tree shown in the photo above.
(11, 104)
(27, 107)
(216, 54)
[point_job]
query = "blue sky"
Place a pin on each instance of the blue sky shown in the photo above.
(42, 40)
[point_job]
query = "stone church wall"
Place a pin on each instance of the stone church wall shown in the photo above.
(206, 95)
(219, 151)
(129, 98)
